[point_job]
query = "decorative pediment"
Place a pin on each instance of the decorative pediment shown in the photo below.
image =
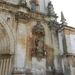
(38, 28)
(35, 1)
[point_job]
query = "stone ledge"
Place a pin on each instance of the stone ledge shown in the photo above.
(59, 73)
(47, 73)
(67, 54)
(25, 72)
(52, 73)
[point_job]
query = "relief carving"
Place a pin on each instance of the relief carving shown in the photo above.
(38, 28)
(53, 23)
(22, 15)
(28, 16)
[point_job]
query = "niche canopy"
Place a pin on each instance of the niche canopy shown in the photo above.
(38, 28)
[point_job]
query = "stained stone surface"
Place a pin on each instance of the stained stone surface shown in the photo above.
(38, 65)
(20, 54)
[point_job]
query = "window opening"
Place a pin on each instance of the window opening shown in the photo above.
(33, 6)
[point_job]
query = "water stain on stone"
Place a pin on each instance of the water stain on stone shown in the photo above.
(49, 57)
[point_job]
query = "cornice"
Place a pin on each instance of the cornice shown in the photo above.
(26, 14)
(7, 3)
(65, 27)
(29, 15)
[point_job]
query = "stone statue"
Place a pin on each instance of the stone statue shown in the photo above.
(39, 43)
(39, 47)
(39, 51)
(50, 9)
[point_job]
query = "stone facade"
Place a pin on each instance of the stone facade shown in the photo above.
(67, 50)
(32, 42)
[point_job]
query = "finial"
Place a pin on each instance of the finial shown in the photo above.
(63, 20)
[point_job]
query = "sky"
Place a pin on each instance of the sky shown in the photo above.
(68, 8)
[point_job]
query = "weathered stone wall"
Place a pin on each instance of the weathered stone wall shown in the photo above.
(42, 4)
(18, 23)
(20, 31)
(67, 49)
(24, 44)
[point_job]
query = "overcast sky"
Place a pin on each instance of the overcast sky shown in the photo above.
(68, 8)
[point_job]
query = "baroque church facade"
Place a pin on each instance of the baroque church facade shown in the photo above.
(32, 42)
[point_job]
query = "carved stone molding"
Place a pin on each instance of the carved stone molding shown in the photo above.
(53, 23)
(22, 15)
(1, 27)
(38, 28)
(13, 9)
(3, 56)
(29, 15)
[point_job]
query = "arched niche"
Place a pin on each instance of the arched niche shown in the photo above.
(9, 36)
(38, 50)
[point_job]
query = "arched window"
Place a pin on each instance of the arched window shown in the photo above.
(33, 6)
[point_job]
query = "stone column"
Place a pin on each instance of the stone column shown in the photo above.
(20, 56)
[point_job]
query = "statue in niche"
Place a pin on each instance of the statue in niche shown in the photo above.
(38, 51)
(50, 9)
(39, 48)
